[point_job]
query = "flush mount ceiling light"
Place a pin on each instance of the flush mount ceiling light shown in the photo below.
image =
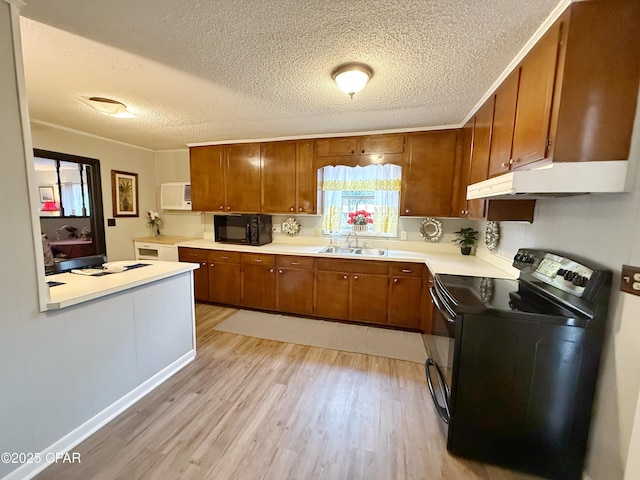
(352, 77)
(107, 106)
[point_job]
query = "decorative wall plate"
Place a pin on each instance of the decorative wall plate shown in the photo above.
(491, 236)
(431, 230)
(291, 226)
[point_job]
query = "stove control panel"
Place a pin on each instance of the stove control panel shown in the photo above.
(553, 269)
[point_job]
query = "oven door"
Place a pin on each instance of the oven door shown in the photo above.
(440, 345)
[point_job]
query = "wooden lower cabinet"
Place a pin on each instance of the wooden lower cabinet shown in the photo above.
(332, 295)
(364, 291)
(406, 296)
(294, 284)
(201, 275)
(369, 298)
(224, 277)
(258, 281)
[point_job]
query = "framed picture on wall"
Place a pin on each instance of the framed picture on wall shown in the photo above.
(124, 193)
(46, 194)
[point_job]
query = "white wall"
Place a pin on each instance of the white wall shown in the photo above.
(112, 156)
(604, 228)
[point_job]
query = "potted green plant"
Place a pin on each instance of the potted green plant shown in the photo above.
(467, 238)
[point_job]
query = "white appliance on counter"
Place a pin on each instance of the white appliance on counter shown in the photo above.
(156, 251)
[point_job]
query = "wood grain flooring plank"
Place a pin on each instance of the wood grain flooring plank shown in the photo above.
(250, 408)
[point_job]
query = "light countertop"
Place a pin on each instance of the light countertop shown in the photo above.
(82, 288)
(440, 258)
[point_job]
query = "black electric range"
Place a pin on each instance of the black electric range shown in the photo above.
(513, 364)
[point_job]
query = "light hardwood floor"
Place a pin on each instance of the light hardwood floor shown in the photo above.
(248, 408)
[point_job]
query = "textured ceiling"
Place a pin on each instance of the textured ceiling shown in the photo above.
(202, 71)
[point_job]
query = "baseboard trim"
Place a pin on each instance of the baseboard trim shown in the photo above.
(73, 438)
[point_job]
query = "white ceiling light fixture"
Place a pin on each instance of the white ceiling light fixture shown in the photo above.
(107, 106)
(352, 77)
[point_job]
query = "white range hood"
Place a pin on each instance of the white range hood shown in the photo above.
(555, 179)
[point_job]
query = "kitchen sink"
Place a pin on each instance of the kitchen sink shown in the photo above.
(361, 252)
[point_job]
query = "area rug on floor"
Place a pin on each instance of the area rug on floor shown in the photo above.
(381, 342)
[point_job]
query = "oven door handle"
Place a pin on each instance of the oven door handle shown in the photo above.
(443, 309)
(443, 410)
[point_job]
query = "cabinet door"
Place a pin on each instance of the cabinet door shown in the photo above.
(332, 147)
(201, 275)
(480, 154)
(207, 178)
(535, 95)
(465, 166)
(224, 283)
(380, 144)
(278, 177)
(295, 291)
(243, 185)
(504, 118)
(368, 298)
(259, 287)
(306, 175)
(428, 181)
(405, 295)
(332, 295)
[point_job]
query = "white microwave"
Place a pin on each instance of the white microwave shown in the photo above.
(175, 196)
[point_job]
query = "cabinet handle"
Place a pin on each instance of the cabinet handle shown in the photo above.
(203, 263)
(406, 211)
(295, 263)
(395, 280)
(258, 260)
(511, 162)
(212, 265)
(300, 209)
(224, 258)
(280, 271)
(345, 277)
(271, 270)
(363, 150)
(221, 207)
(228, 208)
(352, 152)
(406, 270)
(292, 209)
(355, 277)
(504, 164)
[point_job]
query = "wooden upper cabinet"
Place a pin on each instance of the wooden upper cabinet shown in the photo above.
(207, 178)
(535, 96)
(305, 177)
(380, 144)
(279, 177)
(504, 118)
(465, 167)
(428, 180)
(480, 154)
(332, 147)
(243, 179)
(365, 145)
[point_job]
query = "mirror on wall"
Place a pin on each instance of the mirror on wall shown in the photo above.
(71, 218)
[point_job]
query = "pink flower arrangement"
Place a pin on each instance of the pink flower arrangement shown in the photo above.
(359, 217)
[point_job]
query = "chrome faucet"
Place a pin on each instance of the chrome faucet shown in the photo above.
(349, 241)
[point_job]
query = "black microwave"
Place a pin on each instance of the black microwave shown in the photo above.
(243, 229)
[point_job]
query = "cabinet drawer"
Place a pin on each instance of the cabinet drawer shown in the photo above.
(352, 266)
(294, 262)
(224, 256)
(406, 269)
(192, 254)
(258, 259)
